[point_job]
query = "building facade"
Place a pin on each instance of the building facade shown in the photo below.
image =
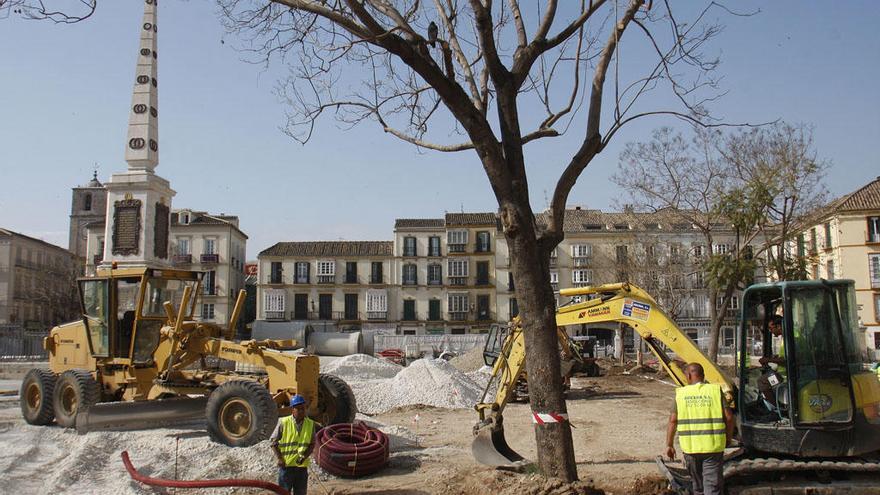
(212, 244)
(37, 283)
(843, 241)
(335, 285)
(452, 275)
(88, 205)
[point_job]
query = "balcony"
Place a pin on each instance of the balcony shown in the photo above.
(482, 249)
(554, 286)
(274, 315)
(377, 315)
(350, 316)
(581, 261)
(97, 259)
(875, 282)
(276, 280)
(872, 237)
(209, 259)
(458, 316)
(301, 280)
(456, 248)
(482, 282)
(351, 279)
(326, 279)
(181, 259)
(485, 316)
(457, 281)
(410, 316)
(580, 284)
(376, 281)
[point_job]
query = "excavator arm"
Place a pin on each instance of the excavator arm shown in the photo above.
(618, 303)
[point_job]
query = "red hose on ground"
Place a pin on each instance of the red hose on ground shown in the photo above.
(351, 449)
(135, 475)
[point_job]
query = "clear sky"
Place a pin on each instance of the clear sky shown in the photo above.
(65, 92)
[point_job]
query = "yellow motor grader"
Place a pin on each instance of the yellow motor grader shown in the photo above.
(138, 358)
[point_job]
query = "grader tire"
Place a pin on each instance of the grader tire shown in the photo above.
(240, 413)
(36, 397)
(75, 390)
(336, 401)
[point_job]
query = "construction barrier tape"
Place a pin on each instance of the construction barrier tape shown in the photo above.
(544, 418)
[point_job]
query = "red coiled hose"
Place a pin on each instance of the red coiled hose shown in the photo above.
(135, 475)
(351, 449)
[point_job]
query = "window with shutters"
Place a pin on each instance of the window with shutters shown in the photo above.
(435, 274)
(434, 310)
(457, 306)
(409, 246)
(456, 241)
(209, 280)
(828, 235)
(829, 270)
(275, 272)
(409, 310)
(458, 272)
(873, 229)
(581, 253)
(581, 277)
(351, 272)
(208, 311)
(376, 272)
(482, 242)
(434, 246)
(720, 248)
(410, 276)
(326, 272)
(302, 272)
(273, 304)
(874, 270)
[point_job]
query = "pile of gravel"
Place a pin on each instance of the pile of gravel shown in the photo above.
(470, 361)
(430, 382)
(361, 367)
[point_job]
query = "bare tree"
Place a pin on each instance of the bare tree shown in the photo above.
(56, 11)
(745, 192)
(369, 61)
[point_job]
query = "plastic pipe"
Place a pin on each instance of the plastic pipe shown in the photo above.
(135, 475)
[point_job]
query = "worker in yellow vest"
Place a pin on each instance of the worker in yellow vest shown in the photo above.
(293, 441)
(705, 427)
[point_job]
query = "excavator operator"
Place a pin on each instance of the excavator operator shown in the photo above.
(771, 378)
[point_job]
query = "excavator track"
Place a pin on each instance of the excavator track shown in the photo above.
(771, 464)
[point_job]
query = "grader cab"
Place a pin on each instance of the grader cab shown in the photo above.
(139, 358)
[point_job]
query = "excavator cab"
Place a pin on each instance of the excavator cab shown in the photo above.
(820, 398)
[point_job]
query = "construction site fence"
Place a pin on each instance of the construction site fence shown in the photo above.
(19, 344)
(421, 344)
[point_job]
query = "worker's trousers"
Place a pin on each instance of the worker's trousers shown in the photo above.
(705, 471)
(294, 479)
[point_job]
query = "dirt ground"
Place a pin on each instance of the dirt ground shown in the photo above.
(619, 426)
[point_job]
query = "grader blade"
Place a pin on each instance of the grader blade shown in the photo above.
(140, 414)
(490, 448)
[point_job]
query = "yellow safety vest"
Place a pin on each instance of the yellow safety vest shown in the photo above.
(700, 415)
(294, 443)
(780, 368)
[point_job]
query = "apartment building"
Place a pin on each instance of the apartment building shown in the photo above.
(843, 241)
(37, 283)
(199, 241)
(334, 285)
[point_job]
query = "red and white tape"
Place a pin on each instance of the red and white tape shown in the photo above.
(544, 418)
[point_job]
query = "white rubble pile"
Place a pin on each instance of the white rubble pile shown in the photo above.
(361, 367)
(430, 382)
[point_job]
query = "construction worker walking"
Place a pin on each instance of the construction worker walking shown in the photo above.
(293, 441)
(705, 427)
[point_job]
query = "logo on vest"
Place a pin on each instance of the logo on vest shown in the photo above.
(820, 403)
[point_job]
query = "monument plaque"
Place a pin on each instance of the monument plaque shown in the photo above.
(160, 231)
(126, 227)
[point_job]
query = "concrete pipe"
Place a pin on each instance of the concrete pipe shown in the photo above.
(336, 343)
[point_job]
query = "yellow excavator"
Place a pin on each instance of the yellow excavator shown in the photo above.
(138, 358)
(819, 420)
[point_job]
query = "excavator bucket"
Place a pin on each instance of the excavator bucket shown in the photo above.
(140, 414)
(490, 448)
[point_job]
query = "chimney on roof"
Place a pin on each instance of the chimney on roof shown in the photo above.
(577, 207)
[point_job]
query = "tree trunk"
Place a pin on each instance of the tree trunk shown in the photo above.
(531, 274)
(717, 315)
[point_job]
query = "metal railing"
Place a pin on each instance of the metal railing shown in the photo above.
(209, 258)
(17, 344)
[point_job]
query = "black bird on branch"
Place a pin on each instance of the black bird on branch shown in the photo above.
(432, 33)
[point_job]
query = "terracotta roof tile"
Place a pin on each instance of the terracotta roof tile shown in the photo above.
(470, 219)
(415, 223)
(865, 198)
(330, 248)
